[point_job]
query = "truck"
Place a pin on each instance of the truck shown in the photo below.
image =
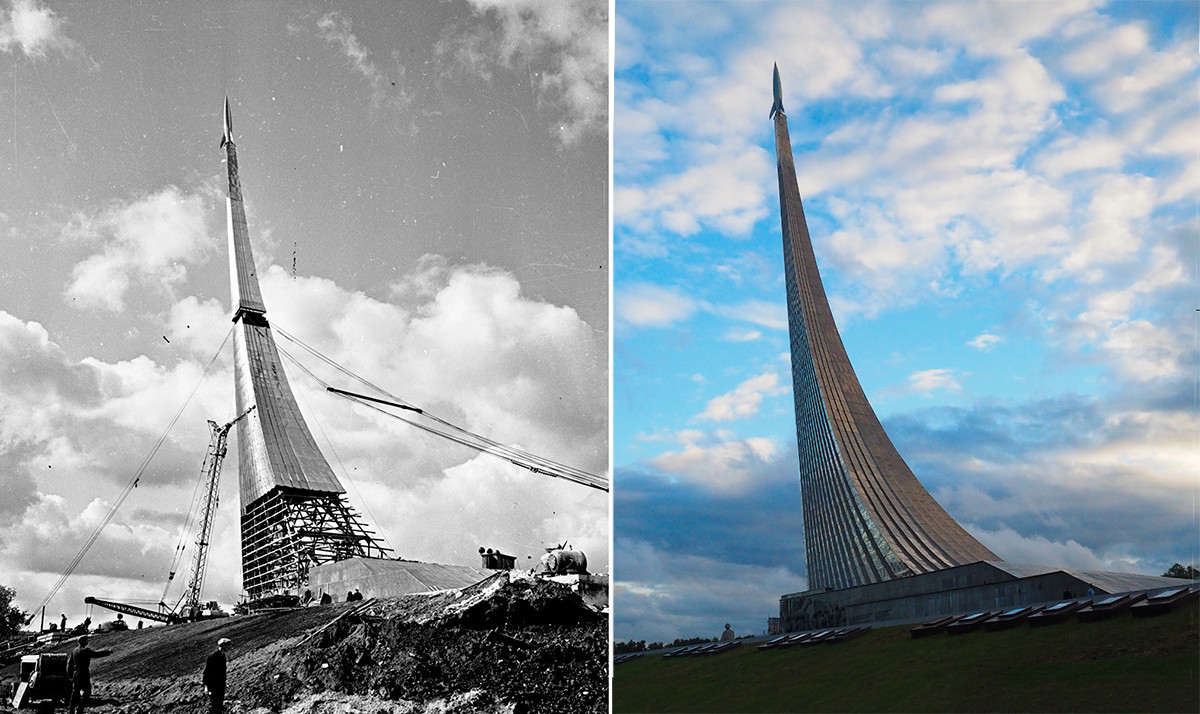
(44, 682)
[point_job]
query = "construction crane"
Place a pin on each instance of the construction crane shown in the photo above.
(191, 607)
(144, 613)
(212, 471)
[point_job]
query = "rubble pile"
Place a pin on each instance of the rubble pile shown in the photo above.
(525, 645)
(507, 645)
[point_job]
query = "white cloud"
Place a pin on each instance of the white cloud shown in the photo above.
(1106, 48)
(725, 192)
(1141, 350)
(651, 306)
(720, 463)
(771, 315)
(336, 29)
(997, 28)
(567, 41)
(1154, 73)
(916, 61)
(744, 400)
(1109, 235)
(1039, 550)
(985, 341)
(460, 341)
(1071, 154)
(148, 242)
(929, 380)
(36, 30)
(742, 335)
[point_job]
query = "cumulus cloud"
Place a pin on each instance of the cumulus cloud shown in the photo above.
(652, 306)
(147, 243)
(744, 401)
(1152, 76)
(718, 461)
(929, 380)
(1106, 47)
(463, 342)
(1039, 550)
(726, 192)
(33, 29)
(565, 42)
(1064, 469)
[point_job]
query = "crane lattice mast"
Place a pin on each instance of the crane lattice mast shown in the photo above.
(212, 472)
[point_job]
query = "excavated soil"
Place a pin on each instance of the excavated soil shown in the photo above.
(499, 646)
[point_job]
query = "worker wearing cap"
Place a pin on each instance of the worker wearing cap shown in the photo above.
(79, 670)
(214, 677)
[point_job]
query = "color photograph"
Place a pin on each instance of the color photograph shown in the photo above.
(961, 386)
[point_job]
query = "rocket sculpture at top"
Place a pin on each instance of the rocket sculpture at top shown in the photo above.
(866, 517)
(293, 510)
(776, 108)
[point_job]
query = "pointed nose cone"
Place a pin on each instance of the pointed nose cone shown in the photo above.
(777, 106)
(227, 134)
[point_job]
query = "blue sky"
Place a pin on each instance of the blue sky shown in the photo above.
(1002, 198)
(427, 192)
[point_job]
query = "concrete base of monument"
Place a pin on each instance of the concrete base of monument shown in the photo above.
(375, 577)
(986, 585)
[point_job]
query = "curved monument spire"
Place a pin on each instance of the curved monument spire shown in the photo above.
(866, 517)
(294, 514)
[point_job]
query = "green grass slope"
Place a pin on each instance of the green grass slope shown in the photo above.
(1123, 665)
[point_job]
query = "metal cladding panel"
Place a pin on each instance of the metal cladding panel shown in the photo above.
(243, 281)
(866, 517)
(275, 446)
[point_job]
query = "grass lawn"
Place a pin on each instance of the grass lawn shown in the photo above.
(1122, 665)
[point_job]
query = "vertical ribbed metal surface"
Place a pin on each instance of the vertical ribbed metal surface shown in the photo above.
(866, 517)
(275, 446)
(243, 282)
(294, 515)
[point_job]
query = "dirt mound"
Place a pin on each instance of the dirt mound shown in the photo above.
(505, 645)
(525, 645)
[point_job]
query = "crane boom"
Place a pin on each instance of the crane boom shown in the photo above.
(133, 610)
(212, 472)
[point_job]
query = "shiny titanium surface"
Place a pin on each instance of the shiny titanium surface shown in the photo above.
(275, 446)
(866, 517)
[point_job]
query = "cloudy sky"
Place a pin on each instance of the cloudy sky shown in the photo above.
(427, 193)
(1003, 200)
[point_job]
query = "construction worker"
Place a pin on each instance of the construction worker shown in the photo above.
(79, 671)
(214, 677)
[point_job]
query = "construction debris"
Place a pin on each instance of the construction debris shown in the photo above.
(511, 644)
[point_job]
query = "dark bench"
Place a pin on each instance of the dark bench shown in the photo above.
(934, 626)
(1057, 613)
(1011, 618)
(1109, 607)
(970, 623)
(1164, 602)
